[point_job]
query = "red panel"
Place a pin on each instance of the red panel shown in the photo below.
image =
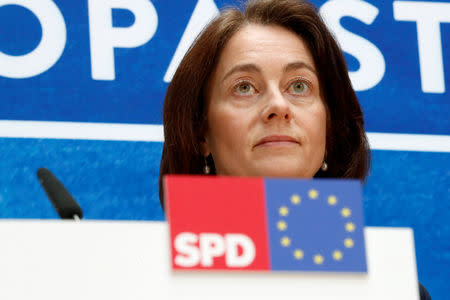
(218, 205)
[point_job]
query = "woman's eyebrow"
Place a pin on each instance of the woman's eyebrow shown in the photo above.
(298, 65)
(254, 68)
(242, 68)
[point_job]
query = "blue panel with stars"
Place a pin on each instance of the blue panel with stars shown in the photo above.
(315, 225)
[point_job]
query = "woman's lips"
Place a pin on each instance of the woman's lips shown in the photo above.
(276, 140)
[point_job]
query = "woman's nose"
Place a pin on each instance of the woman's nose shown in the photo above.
(277, 107)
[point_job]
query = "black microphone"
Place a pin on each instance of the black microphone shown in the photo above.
(62, 201)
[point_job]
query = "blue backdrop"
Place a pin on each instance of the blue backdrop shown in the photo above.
(118, 179)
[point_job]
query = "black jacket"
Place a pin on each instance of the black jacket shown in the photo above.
(423, 293)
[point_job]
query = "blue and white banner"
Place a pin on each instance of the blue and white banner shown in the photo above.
(111, 61)
(82, 84)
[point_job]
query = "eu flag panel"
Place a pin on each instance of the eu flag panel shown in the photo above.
(315, 225)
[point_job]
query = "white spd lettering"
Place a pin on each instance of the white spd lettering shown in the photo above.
(194, 250)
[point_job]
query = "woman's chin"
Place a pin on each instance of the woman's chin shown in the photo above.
(283, 170)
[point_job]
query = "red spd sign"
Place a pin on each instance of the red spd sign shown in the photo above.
(206, 230)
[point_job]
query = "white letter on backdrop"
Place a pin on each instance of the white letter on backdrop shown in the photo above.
(188, 253)
(204, 11)
(104, 37)
(371, 60)
(428, 16)
(50, 48)
(233, 242)
(211, 245)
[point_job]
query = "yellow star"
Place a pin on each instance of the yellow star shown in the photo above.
(285, 241)
(332, 200)
(284, 211)
(350, 227)
(348, 242)
(337, 255)
(313, 194)
(298, 254)
(346, 212)
(318, 259)
(295, 199)
(282, 225)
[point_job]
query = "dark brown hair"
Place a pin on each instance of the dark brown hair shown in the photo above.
(185, 106)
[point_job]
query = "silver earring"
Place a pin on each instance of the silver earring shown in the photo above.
(206, 168)
(324, 166)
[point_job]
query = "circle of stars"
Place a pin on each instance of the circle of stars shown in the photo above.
(318, 259)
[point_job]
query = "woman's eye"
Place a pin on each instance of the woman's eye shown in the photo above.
(299, 87)
(244, 88)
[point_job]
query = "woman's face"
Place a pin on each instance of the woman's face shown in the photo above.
(266, 116)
